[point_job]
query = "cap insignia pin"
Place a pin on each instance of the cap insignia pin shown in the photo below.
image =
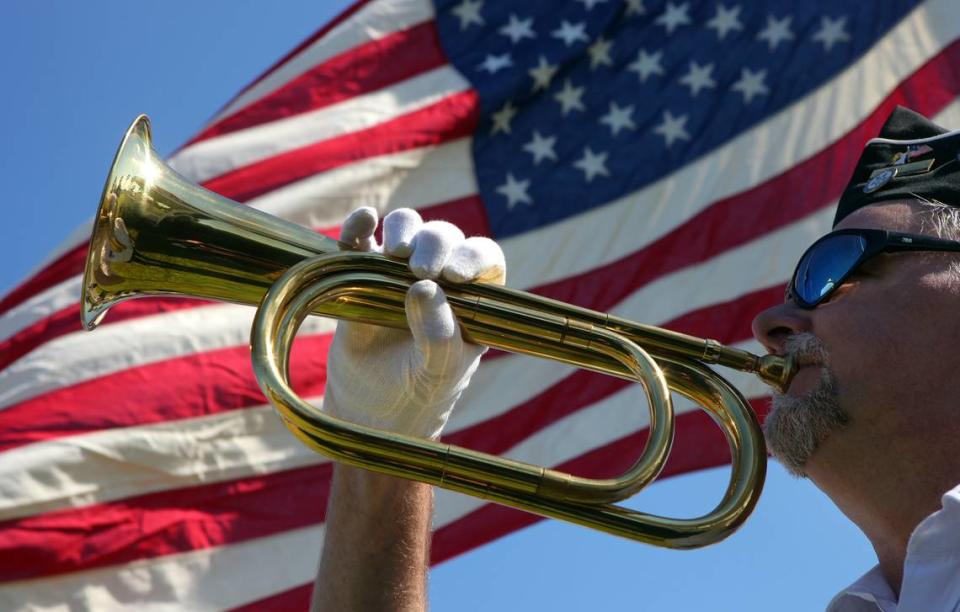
(879, 180)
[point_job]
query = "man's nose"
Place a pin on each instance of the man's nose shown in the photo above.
(772, 326)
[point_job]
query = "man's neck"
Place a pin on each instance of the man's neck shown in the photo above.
(885, 495)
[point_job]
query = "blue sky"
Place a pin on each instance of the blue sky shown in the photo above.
(77, 73)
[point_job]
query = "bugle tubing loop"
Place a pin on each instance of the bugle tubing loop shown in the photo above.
(305, 288)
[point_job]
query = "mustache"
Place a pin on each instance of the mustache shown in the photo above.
(806, 349)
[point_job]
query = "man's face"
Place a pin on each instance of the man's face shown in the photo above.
(876, 353)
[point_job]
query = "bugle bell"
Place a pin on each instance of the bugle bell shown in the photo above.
(156, 233)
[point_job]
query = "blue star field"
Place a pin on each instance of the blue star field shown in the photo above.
(631, 90)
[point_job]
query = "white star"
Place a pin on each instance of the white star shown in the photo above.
(672, 128)
(541, 148)
(542, 74)
(515, 191)
(502, 118)
(619, 118)
(777, 31)
(592, 164)
(698, 78)
(646, 64)
(635, 7)
(831, 32)
(469, 13)
(600, 53)
(725, 20)
(589, 4)
(493, 63)
(517, 30)
(751, 84)
(569, 98)
(674, 17)
(570, 33)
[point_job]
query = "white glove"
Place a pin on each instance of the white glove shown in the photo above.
(408, 382)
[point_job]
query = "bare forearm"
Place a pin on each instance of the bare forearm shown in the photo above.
(376, 548)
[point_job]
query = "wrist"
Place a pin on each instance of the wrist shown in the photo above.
(367, 485)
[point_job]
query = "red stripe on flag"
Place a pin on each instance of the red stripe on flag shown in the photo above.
(451, 118)
(67, 265)
(467, 213)
(297, 598)
(219, 514)
(164, 523)
(363, 69)
(67, 321)
(189, 386)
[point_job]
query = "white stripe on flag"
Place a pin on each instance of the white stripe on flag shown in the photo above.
(949, 116)
(199, 580)
(214, 157)
(126, 462)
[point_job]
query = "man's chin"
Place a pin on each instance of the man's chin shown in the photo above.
(797, 425)
(786, 439)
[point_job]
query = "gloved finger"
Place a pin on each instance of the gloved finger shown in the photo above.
(436, 334)
(358, 229)
(399, 229)
(432, 247)
(476, 259)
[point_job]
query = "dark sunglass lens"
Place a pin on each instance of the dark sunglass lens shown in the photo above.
(824, 265)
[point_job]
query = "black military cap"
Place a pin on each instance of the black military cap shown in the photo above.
(911, 158)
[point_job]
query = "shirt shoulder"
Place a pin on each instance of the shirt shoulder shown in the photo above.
(931, 571)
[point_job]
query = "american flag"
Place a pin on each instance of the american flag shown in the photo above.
(663, 161)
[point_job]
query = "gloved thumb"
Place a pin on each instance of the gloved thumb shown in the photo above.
(436, 334)
(358, 229)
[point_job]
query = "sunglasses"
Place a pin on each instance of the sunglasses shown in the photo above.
(832, 259)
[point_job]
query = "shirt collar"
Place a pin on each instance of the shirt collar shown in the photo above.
(872, 587)
(937, 535)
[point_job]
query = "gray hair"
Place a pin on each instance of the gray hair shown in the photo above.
(944, 221)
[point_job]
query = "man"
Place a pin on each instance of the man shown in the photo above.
(872, 416)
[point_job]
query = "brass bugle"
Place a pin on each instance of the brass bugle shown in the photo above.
(156, 233)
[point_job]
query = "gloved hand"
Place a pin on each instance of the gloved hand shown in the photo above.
(408, 382)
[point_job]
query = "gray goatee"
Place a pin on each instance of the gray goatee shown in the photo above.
(797, 426)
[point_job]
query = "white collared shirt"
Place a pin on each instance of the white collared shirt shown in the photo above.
(931, 571)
